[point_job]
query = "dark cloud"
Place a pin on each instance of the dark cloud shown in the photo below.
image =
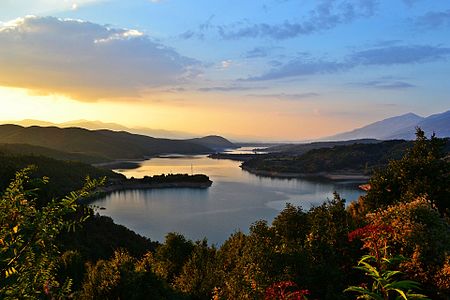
(380, 56)
(86, 61)
(432, 20)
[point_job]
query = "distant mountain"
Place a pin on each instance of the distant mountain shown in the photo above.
(97, 143)
(437, 123)
(399, 127)
(214, 142)
(381, 129)
(96, 125)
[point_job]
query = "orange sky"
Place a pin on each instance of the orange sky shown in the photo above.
(233, 117)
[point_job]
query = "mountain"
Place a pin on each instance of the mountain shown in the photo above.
(381, 129)
(399, 127)
(98, 143)
(96, 125)
(214, 142)
(437, 123)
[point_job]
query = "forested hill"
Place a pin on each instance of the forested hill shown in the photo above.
(64, 176)
(359, 158)
(105, 144)
(299, 149)
(25, 149)
(214, 142)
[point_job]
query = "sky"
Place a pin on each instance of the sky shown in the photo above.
(280, 70)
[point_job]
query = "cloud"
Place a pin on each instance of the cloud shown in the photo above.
(396, 55)
(84, 60)
(231, 88)
(300, 67)
(260, 52)
(410, 3)
(284, 96)
(379, 56)
(385, 84)
(225, 64)
(326, 15)
(200, 31)
(432, 20)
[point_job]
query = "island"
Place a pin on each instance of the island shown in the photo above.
(197, 181)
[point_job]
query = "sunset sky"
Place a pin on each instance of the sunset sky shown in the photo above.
(267, 70)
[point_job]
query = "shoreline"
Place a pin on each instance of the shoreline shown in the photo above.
(129, 186)
(147, 186)
(322, 175)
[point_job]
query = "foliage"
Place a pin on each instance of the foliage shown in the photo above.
(64, 176)
(285, 290)
(170, 257)
(384, 282)
(124, 277)
(28, 252)
(173, 178)
(422, 171)
(377, 265)
(197, 278)
(356, 157)
(419, 233)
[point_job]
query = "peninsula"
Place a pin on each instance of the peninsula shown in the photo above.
(198, 181)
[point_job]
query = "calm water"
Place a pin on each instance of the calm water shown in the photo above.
(234, 201)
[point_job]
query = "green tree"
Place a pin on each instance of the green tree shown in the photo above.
(171, 256)
(124, 277)
(422, 171)
(29, 256)
(198, 276)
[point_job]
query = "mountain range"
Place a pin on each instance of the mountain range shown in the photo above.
(105, 144)
(96, 125)
(399, 127)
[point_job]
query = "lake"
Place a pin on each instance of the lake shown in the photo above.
(235, 200)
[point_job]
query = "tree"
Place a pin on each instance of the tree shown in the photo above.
(422, 171)
(29, 256)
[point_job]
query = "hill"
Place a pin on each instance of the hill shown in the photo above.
(25, 149)
(96, 125)
(299, 149)
(344, 159)
(64, 176)
(353, 159)
(214, 142)
(105, 144)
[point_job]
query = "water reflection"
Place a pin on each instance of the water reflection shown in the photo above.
(234, 201)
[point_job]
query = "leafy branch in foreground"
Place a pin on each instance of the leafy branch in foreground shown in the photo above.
(385, 283)
(29, 256)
